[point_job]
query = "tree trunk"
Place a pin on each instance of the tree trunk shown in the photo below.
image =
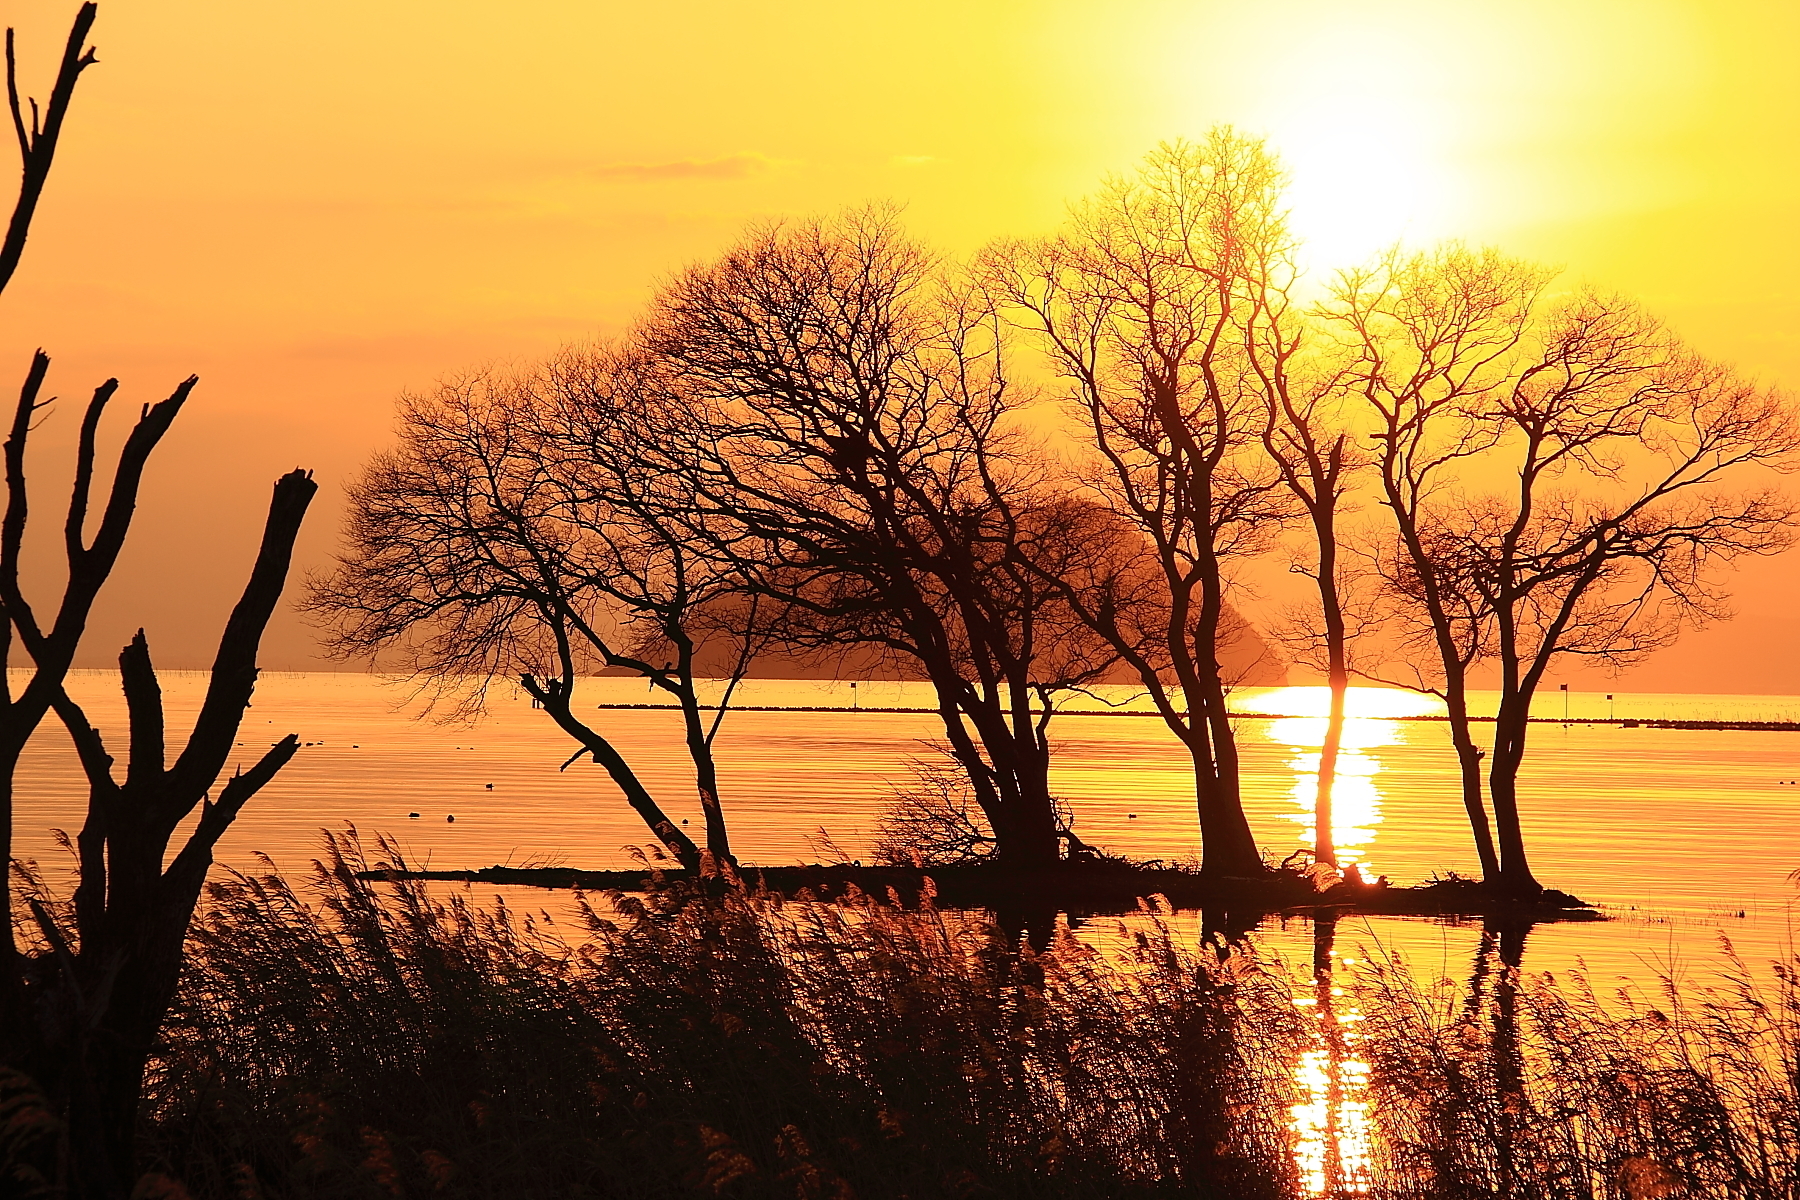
(1009, 775)
(706, 778)
(1514, 876)
(1031, 764)
(1025, 831)
(1028, 838)
(1337, 677)
(1324, 838)
(1468, 758)
(553, 695)
(1227, 846)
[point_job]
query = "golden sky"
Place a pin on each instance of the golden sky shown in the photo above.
(315, 206)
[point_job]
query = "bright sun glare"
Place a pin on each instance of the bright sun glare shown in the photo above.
(1368, 108)
(1356, 799)
(1412, 122)
(1359, 702)
(1363, 145)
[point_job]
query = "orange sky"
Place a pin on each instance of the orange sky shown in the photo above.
(316, 206)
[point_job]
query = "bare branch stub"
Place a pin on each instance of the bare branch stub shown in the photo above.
(38, 137)
(79, 1014)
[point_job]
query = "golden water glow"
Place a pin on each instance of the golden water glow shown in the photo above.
(1368, 725)
(1359, 702)
(1355, 801)
(1330, 1124)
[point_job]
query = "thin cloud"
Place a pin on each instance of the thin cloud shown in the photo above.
(732, 166)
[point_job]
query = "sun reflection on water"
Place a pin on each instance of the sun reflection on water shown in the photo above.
(1368, 725)
(1330, 1124)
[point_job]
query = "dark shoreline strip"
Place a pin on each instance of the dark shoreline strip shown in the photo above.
(1089, 889)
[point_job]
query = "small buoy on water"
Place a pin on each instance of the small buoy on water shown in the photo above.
(684, 820)
(490, 787)
(452, 817)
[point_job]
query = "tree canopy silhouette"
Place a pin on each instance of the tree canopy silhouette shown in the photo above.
(851, 418)
(1563, 476)
(527, 527)
(1152, 307)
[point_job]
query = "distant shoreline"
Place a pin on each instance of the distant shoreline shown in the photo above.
(1621, 722)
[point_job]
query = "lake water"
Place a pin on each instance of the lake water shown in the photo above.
(1684, 835)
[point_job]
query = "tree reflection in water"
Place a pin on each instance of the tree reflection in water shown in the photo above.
(1333, 1135)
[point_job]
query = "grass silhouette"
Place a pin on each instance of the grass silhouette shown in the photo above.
(343, 1037)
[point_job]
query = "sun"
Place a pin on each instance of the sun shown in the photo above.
(1359, 187)
(1416, 121)
(1370, 108)
(1366, 119)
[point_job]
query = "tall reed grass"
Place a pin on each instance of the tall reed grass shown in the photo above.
(372, 1039)
(1511, 1085)
(338, 1037)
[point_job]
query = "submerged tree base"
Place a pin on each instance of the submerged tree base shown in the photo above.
(1099, 888)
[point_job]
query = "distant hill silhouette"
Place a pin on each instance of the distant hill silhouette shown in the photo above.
(1248, 659)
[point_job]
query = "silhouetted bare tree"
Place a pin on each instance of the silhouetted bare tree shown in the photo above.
(1150, 307)
(847, 410)
(524, 528)
(37, 147)
(94, 995)
(83, 991)
(1557, 471)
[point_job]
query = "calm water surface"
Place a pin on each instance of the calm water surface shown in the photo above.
(1683, 835)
